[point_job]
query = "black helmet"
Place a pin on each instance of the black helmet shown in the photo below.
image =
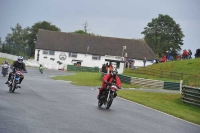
(114, 72)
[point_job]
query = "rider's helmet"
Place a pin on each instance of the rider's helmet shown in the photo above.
(114, 72)
(6, 61)
(20, 59)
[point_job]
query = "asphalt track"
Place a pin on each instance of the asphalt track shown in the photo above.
(44, 105)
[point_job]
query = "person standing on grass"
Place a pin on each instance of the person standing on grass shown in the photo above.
(144, 60)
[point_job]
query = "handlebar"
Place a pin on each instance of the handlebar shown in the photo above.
(110, 84)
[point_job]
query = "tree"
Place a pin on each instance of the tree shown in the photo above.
(163, 34)
(34, 30)
(17, 40)
(80, 32)
(85, 25)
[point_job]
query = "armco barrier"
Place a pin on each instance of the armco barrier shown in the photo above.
(190, 95)
(171, 86)
(150, 83)
(147, 82)
(125, 79)
(82, 68)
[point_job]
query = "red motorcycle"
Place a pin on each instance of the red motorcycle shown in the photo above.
(108, 95)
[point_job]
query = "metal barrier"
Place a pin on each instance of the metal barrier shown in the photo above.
(125, 79)
(82, 68)
(190, 95)
(158, 84)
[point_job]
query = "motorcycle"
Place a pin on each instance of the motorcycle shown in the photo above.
(5, 69)
(108, 95)
(41, 69)
(14, 81)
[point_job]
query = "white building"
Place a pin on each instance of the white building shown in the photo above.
(56, 50)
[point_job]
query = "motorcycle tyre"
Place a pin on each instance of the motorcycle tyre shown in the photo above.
(109, 102)
(10, 88)
(100, 103)
(13, 87)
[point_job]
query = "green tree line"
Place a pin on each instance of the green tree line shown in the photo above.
(21, 41)
(161, 34)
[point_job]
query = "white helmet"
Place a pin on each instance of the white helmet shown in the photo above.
(114, 72)
(20, 59)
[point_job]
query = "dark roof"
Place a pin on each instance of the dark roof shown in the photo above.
(98, 45)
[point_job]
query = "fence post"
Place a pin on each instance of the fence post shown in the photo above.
(181, 84)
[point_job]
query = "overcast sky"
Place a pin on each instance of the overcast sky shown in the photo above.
(113, 18)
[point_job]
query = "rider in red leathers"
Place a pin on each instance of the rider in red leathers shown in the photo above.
(108, 79)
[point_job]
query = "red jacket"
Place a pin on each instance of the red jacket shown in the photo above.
(110, 78)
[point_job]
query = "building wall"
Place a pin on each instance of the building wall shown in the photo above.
(86, 60)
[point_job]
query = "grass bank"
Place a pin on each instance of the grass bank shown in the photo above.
(189, 67)
(165, 102)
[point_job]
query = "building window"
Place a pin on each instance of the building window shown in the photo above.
(96, 57)
(51, 52)
(73, 55)
(48, 52)
(45, 52)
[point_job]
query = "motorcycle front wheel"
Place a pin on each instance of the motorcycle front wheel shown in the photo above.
(100, 103)
(10, 88)
(109, 102)
(13, 87)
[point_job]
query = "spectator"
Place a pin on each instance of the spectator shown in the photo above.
(197, 54)
(144, 60)
(178, 57)
(189, 54)
(168, 56)
(132, 64)
(185, 54)
(164, 59)
(109, 67)
(103, 70)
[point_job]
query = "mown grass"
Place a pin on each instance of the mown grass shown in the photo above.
(2, 60)
(87, 79)
(165, 102)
